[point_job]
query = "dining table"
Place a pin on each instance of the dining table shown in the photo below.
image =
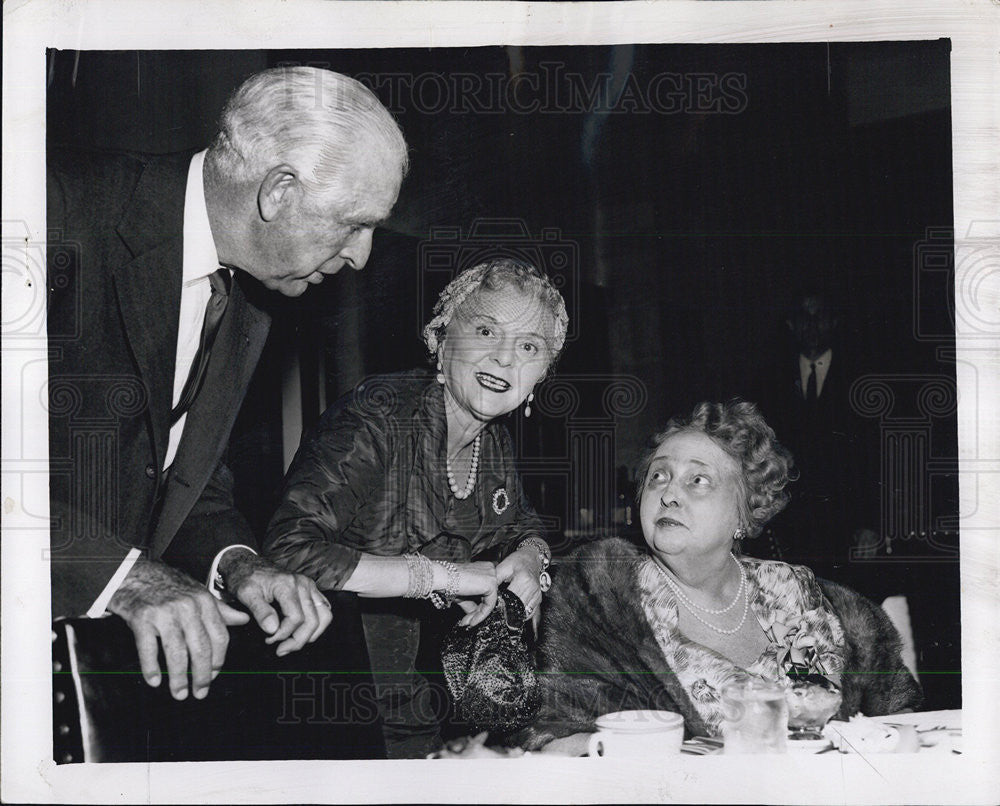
(910, 732)
(938, 770)
(937, 731)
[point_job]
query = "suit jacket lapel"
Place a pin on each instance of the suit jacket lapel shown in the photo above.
(149, 287)
(210, 419)
(831, 378)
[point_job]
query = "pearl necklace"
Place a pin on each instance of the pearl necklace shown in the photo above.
(693, 608)
(727, 608)
(470, 483)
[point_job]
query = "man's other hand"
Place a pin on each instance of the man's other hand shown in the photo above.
(260, 585)
(160, 602)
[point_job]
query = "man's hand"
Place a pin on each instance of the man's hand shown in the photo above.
(258, 583)
(160, 602)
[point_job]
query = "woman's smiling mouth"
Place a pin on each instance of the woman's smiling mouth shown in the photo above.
(492, 382)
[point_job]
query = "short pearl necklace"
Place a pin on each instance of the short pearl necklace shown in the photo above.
(693, 608)
(470, 483)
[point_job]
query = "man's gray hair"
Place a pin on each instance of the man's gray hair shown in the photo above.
(313, 119)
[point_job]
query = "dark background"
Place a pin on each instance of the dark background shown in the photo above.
(681, 235)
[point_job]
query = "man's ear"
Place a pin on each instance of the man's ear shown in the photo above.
(277, 191)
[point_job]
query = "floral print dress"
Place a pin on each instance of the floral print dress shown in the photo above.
(791, 611)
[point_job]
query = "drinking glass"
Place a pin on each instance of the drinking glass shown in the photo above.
(811, 703)
(756, 717)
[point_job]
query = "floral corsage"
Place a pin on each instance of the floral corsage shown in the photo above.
(797, 642)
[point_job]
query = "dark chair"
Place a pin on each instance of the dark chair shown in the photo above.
(318, 703)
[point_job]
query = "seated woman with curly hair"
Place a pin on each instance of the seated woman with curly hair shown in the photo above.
(670, 627)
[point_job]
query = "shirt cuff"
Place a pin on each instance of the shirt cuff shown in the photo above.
(100, 606)
(216, 584)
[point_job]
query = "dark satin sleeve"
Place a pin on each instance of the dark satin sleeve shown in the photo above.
(335, 473)
(526, 521)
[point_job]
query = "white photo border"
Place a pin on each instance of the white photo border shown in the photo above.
(30, 26)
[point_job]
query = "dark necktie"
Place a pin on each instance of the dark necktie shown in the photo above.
(220, 281)
(811, 383)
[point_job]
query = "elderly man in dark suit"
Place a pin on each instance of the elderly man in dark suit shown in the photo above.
(156, 324)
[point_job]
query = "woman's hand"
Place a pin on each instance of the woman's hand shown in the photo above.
(478, 579)
(521, 571)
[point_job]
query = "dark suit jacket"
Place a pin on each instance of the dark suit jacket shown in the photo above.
(114, 280)
(818, 433)
(836, 453)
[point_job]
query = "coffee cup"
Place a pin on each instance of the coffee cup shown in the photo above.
(634, 734)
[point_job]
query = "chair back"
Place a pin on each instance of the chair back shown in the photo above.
(898, 611)
(318, 703)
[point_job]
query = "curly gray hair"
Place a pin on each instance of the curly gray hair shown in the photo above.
(495, 274)
(765, 466)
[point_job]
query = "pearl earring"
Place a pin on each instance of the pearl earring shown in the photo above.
(440, 375)
(527, 404)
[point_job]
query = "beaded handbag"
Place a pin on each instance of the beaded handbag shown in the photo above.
(489, 671)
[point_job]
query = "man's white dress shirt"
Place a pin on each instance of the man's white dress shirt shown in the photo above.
(822, 368)
(200, 260)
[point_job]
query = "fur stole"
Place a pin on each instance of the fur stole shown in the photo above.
(597, 653)
(875, 681)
